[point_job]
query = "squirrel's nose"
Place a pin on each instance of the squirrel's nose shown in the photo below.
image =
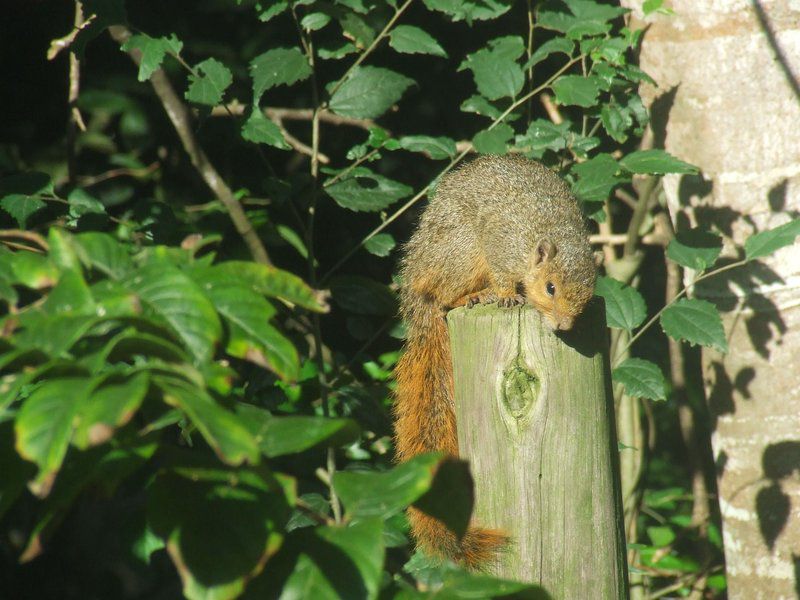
(565, 323)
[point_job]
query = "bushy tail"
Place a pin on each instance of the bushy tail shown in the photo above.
(425, 422)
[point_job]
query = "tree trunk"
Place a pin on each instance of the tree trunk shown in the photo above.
(728, 101)
(536, 420)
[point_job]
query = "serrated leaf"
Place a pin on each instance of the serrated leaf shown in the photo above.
(19, 194)
(656, 162)
(437, 148)
(209, 84)
(695, 321)
(470, 10)
(558, 44)
(369, 92)
(153, 51)
(279, 66)
(493, 141)
(380, 244)
(282, 435)
(364, 190)
(616, 121)
(82, 203)
(173, 296)
(21, 207)
(642, 379)
(261, 130)
(695, 248)
(575, 90)
(223, 430)
(413, 40)
(625, 307)
(44, 424)
(241, 514)
(495, 70)
(272, 10)
(596, 178)
(766, 242)
(545, 135)
(481, 106)
(335, 53)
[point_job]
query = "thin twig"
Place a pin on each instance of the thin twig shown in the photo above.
(91, 180)
(25, 235)
(179, 116)
(678, 296)
(75, 119)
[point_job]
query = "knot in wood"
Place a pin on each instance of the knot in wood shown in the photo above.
(520, 389)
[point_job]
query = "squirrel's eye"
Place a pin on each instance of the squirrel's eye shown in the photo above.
(550, 289)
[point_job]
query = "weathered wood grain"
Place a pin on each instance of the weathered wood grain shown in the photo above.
(535, 419)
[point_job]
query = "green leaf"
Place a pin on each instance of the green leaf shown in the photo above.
(481, 106)
(153, 51)
(558, 44)
(173, 296)
(104, 253)
(383, 494)
(695, 321)
(575, 90)
(642, 379)
(470, 10)
(369, 92)
(33, 270)
(596, 178)
(413, 40)
(437, 148)
(209, 82)
(493, 141)
(545, 135)
(661, 536)
(359, 546)
(261, 130)
(588, 18)
(616, 120)
(272, 10)
(82, 203)
(109, 406)
(71, 296)
(220, 527)
(44, 424)
(380, 244)
(279, 66)
(273, 282)
(335, 53)
(315, 21)
(19, 194)
(766, 242)
(363, 296)
(223, 430)
(281, 435)
(656, 162)
(625, 308)
(695, 248)
(364, 190)
(495, 70)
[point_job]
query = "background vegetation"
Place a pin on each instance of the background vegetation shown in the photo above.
(202, 207)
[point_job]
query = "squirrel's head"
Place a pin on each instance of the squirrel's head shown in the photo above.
(559, 287)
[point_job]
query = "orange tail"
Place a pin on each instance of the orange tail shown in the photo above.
(425, 422)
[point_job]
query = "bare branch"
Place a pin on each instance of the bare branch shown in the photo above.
(179, 116)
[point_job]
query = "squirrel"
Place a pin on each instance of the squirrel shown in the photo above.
(501, 229)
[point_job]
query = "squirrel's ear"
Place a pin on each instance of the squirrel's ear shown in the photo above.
(545, 251)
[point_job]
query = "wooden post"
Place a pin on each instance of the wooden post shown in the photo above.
(535, 418)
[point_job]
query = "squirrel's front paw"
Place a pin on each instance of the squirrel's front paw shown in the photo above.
(511, 301)
(483, 297)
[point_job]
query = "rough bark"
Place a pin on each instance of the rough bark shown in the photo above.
(728, 101)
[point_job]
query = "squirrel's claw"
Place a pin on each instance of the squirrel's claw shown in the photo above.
(511, 301)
